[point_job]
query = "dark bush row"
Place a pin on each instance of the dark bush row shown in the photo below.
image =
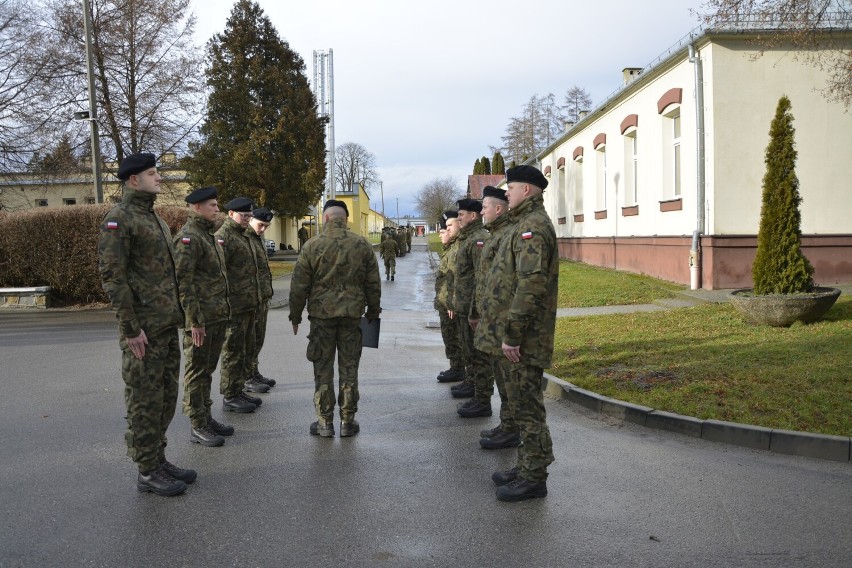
(58, 247)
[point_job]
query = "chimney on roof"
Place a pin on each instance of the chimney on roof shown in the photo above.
(582, 114)
(569, 124)
(630, 74)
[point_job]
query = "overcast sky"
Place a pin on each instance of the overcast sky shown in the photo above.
(427, 87)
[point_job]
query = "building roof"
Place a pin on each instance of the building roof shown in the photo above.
(475, 184)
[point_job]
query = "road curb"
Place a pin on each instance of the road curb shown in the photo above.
(805, 444)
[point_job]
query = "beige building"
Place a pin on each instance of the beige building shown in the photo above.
(662, 166)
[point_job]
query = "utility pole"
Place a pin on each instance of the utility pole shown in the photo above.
(382, 188)
(324, 94)
(397, 211)
(93, 108)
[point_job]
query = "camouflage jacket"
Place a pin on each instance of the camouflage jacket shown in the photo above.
(389, 248)
(264, 275)
(528, 261)
(450, 278)
(471, 240)
(487, 281)
(200, 266)
(337, 275)
(137, 267)
(441, 279)
(240, 266)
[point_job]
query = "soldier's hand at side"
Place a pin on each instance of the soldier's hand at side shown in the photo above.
(512, 353)
(137, 344)
(451, 313)
(295, 329)
(198, 335)
(474, 323)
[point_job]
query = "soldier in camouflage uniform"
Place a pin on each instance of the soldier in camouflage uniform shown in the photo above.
(408, 239)
(529, 262)
(477, 369)
(449, 331)
(337, 276)
(465, 388)
(494, 208)
(137, 269)
(261, 218)
(244, 297)
(200, 266)
(400, 241)
(388, 249)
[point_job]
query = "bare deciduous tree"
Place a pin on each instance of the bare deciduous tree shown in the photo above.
(352, 164)
(804, 24)
(576, 99)
(436, 197)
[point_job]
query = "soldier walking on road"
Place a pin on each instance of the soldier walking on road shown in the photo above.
(477, 369)
(137, 267)
(449, 331)
(200, 266)
(337, 276)
(529, 261)
(243, 294)
(492, 311)
(388, 249)
(260, 220)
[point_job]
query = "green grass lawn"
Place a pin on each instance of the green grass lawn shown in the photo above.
(706, 362)
(583, 286)
(281, 267)
(434, 242)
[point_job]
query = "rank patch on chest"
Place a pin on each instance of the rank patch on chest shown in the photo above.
(527, 235)
(112, 225)
(185, 240)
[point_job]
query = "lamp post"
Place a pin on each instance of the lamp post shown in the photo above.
(382, 189)
(397, 211)
(93, 112)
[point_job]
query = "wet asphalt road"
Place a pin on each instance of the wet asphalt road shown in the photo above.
(413, 489)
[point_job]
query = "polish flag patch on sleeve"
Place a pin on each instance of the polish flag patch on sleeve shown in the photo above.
(480, 244)
(526, 235)
(185, 240)
(220, 240)
(112, 225)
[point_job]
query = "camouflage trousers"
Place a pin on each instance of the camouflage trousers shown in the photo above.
(477, 369)
(390, 266)
(507, 412)
(150, 396)
(200, 362)
(236, 354)
(523, 387)
(343, 337)
(259, 336)
(452, 341)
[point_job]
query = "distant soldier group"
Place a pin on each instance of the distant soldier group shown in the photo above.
(495, 293)
(395, 242)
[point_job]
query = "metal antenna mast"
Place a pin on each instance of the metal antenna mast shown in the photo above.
(324, 93)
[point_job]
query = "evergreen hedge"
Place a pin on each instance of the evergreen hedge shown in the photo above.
(58, 247)
(780, 267)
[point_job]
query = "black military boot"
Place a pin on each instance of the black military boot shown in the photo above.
(159, 482)
(475, 410)
(501, 440)
(253, 385)
(387, 276)
(504, 477)
(392, 276)
(252, 399)
(185, 475)
(265, 380)
(349, 428)
(491, 432)
(521, 489)
(464, 391)
(219, 428)
(206, 437)
(237, 404)
(451, 376)
(324, 429)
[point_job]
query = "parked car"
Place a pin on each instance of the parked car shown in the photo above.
(270, 247)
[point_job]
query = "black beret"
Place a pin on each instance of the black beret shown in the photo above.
(336, 203)
(469, 205)
(239, 204)
(263, 214)
(526, 174)
(450, 214)
(491, 191)
(201, 194)
(136, 164)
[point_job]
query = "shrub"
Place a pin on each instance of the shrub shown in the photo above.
(57, 247)
(780, 267)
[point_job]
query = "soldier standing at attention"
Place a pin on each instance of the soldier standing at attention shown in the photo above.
(200, 266)
(408, 238)
(388, 249)
(337, 275)
(449, 333)
(303, 236)
(491, 312)
(529, 261)
(136, 261)
(478, 370)
(241, 270)
(260, 220)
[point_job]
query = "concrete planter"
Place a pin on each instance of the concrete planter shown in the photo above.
(782, 310)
